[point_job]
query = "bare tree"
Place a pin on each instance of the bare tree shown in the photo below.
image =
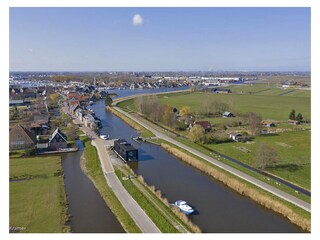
(266, 156)
(254, 122)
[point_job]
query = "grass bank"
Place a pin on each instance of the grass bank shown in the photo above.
(38, 201)
(90, 165)
(167, 218)
(296, 215)
(144, 132)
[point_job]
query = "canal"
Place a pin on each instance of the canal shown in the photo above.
(89, 213)
(218, 208)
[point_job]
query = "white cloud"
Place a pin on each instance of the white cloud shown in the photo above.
(137, 20)
(30, 50)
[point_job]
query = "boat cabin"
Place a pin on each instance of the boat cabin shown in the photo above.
(125, 150)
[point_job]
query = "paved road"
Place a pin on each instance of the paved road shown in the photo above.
(132, 207)
(302, 204)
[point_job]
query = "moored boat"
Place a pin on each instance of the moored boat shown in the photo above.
(184, 207)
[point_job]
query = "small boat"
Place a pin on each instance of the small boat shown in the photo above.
(184, 207)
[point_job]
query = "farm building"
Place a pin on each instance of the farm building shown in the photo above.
(221, 90)
(205, 125)
(268, 124)
(125, 150)
(227, 114)
(293, 122)
(237, 137)
(21, 138)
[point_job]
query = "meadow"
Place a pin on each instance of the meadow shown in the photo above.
(273, 107)
(37, 197)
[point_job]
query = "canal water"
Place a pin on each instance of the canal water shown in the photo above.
(218, 208)
(89, 213)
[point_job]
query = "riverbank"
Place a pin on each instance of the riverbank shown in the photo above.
(168, 219)
(143, 131)
(90, 165)
(38, 201)
(296, 215)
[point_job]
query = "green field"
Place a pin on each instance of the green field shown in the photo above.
(37, 204)
(293, 149)
(273, 107)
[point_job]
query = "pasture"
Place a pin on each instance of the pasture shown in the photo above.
(37, 196)
(275, 107)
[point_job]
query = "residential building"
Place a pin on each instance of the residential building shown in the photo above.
(21, 138)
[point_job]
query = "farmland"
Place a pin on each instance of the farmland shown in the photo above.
(37, 196)
(291, 143)
(273, 107)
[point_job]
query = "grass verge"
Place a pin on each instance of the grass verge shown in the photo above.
(90, 165)
(295, 214)
(144, 132)
(168, 219)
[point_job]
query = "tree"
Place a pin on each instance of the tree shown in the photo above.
(254, 122)
(108, 100)
(168, 117)
(185, 111)
(71, 132)
(53, 100)
(266, 156)
(292, 115)
(197, 133)
(299, 117)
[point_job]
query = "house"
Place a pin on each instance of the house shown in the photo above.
(73, 103)
(17, 103)
(21, 138)
(205, 125)
(79, 113)
(221, 90)
(125, 150)
(74, 108)
(227, 114)
(237, 137)
(90, 121)
(268, 124)
(293, 122)
(58, 140)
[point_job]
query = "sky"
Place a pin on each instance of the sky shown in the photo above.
(160, 39)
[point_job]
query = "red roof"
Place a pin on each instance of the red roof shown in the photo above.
(205, 124)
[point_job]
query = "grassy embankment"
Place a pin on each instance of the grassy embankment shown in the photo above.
(144, 132)
(168, 219)
(302, 168)
(295, 214)
(90, 164)
(37, 199)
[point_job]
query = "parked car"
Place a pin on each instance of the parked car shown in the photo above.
(104, 137)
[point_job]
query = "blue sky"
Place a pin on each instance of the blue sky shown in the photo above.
(162, 39)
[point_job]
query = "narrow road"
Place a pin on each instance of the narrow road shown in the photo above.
(300, 203)
(132, 207)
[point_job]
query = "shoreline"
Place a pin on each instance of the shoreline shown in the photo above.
(276, 205)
